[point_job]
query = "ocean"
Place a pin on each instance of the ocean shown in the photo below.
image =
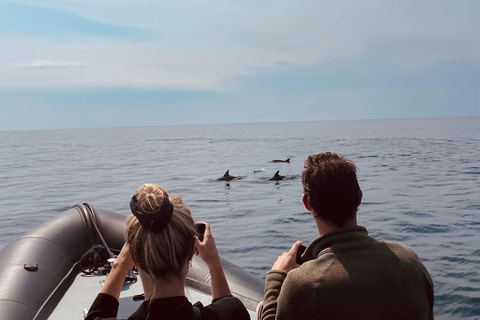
(420, 179)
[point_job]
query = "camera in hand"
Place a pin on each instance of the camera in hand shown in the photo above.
(300, 251)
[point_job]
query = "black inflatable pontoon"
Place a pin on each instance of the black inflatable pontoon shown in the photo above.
(38, 268)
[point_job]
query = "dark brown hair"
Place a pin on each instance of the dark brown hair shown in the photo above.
(331, 187)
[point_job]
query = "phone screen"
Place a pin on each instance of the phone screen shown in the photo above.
(200, 227)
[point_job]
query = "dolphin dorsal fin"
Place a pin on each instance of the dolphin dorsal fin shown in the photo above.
(276, 173)
(227, 173)
(288, 160)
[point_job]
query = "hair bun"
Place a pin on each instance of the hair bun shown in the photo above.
(155, 221)
(150, 197)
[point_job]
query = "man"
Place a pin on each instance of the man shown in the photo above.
(345, 273)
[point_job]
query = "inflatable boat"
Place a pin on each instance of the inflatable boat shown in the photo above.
(42, 274)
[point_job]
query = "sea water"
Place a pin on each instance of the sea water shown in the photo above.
(420, 179)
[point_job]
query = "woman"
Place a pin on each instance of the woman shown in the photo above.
(161, 241)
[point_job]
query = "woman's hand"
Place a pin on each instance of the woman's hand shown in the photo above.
(124, 259)
(207, 248)
(208, 251)
(116, 277)
(287, 261)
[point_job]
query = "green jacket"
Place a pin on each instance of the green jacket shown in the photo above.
(349, 275)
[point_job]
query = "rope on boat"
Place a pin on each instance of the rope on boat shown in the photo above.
(100, 256)
(95, 221)
(95, 259)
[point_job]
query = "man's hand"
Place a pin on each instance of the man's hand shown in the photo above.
(287, 261)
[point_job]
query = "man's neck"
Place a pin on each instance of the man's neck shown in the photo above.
(326, 227)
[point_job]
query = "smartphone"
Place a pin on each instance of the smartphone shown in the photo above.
(300, 251)
(200, 227)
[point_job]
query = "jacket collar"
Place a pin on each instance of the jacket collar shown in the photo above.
(342, 239)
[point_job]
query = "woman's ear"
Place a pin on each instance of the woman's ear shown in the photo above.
(192, 252)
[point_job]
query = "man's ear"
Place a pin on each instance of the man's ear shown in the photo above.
(306, 203)
(360, 200)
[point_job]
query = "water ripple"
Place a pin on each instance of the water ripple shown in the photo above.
(420, 185)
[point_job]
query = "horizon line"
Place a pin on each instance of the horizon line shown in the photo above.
(238, 123)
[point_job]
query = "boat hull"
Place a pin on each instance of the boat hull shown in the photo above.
(56, 248)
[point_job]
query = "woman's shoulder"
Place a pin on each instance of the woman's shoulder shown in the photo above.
(225, 308)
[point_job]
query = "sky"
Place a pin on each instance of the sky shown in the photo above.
(116, 63)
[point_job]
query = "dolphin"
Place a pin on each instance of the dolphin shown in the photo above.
(274, 161)
(276, 176)
(257, 171)
(227, 176)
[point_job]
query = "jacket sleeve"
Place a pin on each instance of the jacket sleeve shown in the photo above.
(273, 285)
(104, 306)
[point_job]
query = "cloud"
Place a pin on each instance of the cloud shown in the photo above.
(205, 44)
(114, 63)
(258, 60)
(48, 64)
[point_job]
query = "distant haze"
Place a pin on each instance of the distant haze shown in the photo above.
(85, 63)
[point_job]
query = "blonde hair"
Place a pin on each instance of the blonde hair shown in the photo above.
(161, 254)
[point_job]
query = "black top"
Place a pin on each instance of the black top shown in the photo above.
(179, 308)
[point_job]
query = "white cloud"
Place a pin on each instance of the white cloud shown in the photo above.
(46, 64)
(119, 63)
(202, 44)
